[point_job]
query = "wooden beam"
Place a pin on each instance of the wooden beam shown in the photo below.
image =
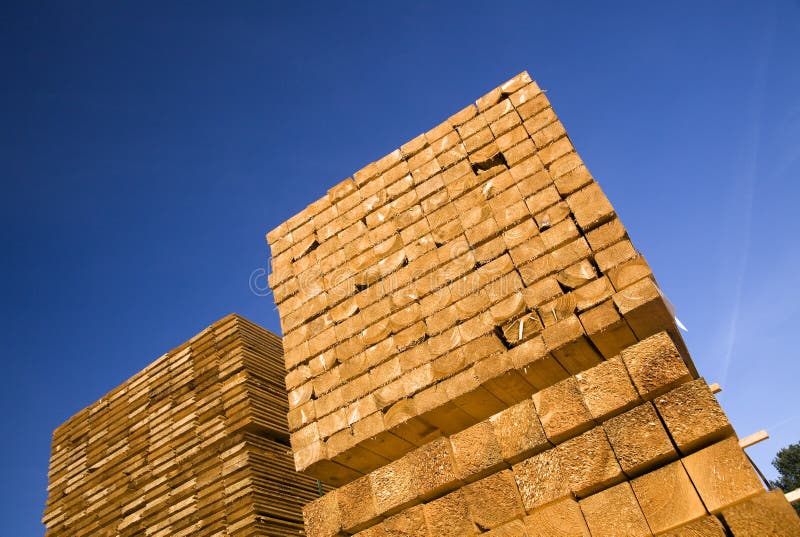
(794, 496)
(715, 388)
(753, 439)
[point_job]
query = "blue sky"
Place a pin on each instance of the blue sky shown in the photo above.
(148, 148)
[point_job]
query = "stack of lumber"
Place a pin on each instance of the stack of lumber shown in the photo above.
(632, 446)
(473, 345)
(475, 265)
(195, 444)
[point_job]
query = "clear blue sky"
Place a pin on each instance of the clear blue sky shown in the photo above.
(147, 148)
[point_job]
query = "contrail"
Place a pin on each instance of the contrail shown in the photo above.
(751, 169)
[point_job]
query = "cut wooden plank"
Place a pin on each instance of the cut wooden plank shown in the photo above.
(766, 514)
(356, 506)
(449, 516)
(629, 272)
(715, 388)
(607, 330)
(561, 411)
(567, 342)
(753, 439)
(607, 389)
(639, 440)
(541, 479)
(476, 452)
(515, 528)
(494, 500)
(519, 432)
(722, 475)
(560, 518)
(394, 486)
(647, 312)
(409, 523)
(498, 375)
(590, 207)
(589, 463)
(709, 526)
(435, 468)
(667, 498)
(793, 496)
(655, 365)
(321, 517)
(615, 512)
(539, 368)
(693, 416)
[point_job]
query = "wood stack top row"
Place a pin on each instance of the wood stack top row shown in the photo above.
(195, 444)
(459, 274)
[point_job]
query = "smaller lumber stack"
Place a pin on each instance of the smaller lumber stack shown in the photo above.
(473, 345)
(195, 444)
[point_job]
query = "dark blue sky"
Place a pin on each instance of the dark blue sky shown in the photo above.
(147, 147)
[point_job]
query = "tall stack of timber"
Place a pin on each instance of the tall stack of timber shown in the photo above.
(473, 345)
(196, 444)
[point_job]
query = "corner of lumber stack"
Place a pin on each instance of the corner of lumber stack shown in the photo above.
(473, 345)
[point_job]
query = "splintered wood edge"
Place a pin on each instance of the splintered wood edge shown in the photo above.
(794, 496)
(715, 388)
(753, 439)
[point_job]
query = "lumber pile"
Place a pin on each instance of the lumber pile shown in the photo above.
(195, 444)
(473, 345)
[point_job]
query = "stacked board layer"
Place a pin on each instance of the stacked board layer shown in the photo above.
(195, 444)
(473, 345)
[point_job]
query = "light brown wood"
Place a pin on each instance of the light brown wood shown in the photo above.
(693, 416)
(567, 342)
(208, 415)
(435, 468)
(629, 272)
(499, 377)
(722, 475)
(494, 500)
(558, 309)
(449, 516)
(590, 207)
(541, 479)
(514, 528)
(766, 514)
(539, 368)
(563, 517)
(322, 517)
(519, 432)
(615, 512)
(561, 411)
(753, 439)
(410, 522)
(393, 486)
(589, 463)
(668, 498)
(356, 507)
(607, 389)
(607, 330)
(639, 440)
(476, 451)
(709, 526)
(655, 365)
(507, 309)
(647, 312)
